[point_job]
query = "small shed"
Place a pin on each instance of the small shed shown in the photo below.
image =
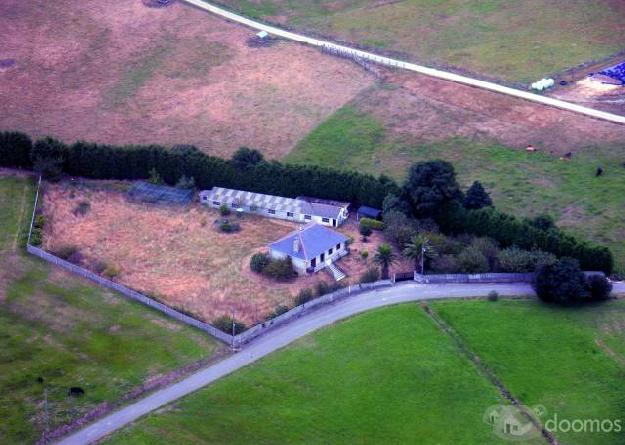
(368, 212)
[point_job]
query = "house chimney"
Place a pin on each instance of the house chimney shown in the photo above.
(296, 244)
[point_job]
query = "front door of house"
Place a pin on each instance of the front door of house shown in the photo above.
(323, 257)
(313, 263)
(334, 223)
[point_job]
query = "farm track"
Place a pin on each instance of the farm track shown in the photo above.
(365, 55)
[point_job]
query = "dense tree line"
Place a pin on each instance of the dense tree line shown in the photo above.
(509, 230)
(101, 161)
(430, 191)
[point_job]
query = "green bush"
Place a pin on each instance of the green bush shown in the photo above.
(40, 221)
(561, 283)
(599, 287)
(364, 255)
(224, 324)
(99, 266)
(322, 288)
(471, 260)
(279, 310)
(493, 295)
(259, 261)
(445, 264)
(65, 252)
(304, 296)
(371, 275)
(281, 270)
(224, 210)
(82, 208)
(229, 227)
(111, 272)
(365, 231)
(36, 237)
(373, 224)
(399, 228)
(517, 260)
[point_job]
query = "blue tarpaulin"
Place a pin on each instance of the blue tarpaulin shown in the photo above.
(615, 72)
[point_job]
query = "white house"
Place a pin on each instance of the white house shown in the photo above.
(311, 248)
(301, 209)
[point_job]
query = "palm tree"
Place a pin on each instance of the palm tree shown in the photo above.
(418, 249)
(384, 257)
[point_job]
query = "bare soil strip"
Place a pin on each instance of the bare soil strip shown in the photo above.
(483, 369)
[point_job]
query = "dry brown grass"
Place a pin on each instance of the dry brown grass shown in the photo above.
(119, 72)
(421, 109)
(174, 254)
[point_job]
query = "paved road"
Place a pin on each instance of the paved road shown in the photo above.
(281, 337)
(286, 334)
(491, 86)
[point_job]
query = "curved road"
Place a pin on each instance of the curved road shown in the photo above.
(491, 86)
(283, 335)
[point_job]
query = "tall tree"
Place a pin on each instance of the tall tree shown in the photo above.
(384, 257)
(246, 157)
(418, 249)
(476, 197)
(431, 185)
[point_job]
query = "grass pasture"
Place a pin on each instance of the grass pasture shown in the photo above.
(70, 334)
(555, 357)
(409, 382)
(123, 73)
(522, 40)
(341, 385)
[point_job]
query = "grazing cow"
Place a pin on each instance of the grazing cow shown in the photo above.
(599, 171)
(530, 148)
(76, 391)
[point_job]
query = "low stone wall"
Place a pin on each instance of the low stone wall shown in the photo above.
(475, 278)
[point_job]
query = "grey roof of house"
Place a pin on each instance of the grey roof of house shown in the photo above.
(369, 211)
(314, 239)
(277, 203)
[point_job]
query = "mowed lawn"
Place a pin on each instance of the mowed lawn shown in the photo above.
(569, 360)
(525, 184)
(520, 40)
(389, 376)
(57, 332)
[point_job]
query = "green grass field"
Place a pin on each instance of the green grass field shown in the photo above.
(551, 356)
(521, 40)
(525, 184)
(409, 382)
(341, 385)
(70, 334)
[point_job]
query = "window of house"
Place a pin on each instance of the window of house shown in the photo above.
(289, 214)
(338, 246)
(234, 205)
(216, 203)
(271, 211)
(325, 220)
(330, 251)
(307, 217)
